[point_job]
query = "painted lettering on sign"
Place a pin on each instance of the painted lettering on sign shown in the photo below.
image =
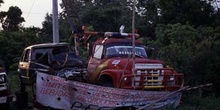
(59, 93)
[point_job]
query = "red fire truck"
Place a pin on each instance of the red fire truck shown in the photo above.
(115, 60)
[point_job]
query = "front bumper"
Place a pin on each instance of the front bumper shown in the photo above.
(6, 99)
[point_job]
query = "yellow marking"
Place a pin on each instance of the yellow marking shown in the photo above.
(99, 68)
(153, 87)
(154, 80)
(155, 75)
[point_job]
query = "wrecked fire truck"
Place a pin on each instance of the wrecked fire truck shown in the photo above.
(111, 61)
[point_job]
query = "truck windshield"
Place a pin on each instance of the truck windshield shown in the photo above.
(121, 50)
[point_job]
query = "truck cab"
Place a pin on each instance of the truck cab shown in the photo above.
(116, 62)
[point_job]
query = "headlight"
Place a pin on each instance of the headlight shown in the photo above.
(125, 78)
(172, 78)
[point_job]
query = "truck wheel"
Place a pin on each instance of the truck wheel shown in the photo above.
(106, 81)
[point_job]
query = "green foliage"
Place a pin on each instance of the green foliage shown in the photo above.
(108, 18)
(176, 45)
(197, 102)
(47, 31)
(13, 19)
(13, 44)
(102, 15)
(196, 12)
(13, 81)
(192, 51)
(192, 12)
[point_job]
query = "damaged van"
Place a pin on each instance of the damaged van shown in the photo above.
(53, 58)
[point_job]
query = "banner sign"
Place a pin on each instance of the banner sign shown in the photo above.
(56, 92)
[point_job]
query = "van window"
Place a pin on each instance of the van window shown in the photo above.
(25, 57)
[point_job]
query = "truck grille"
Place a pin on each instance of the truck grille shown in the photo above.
(150, 78)
(158, 79)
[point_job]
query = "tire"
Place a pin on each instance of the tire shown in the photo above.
(22, 84)
(106, 81)
(21, 99)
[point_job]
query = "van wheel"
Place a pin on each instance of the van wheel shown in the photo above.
(22, 85)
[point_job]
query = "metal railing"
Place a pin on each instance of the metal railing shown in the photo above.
(153, 79)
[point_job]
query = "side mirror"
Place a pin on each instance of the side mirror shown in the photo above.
(150, 51)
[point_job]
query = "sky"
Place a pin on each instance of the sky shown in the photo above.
(34, 11)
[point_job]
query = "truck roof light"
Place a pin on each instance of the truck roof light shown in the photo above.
(121, 29)
(120, 35)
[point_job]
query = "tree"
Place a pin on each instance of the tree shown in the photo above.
(194, 12)
(46, 33)
(13, 19)
(103, 15)
(13, 43)
(192, 51)
(148, 18)
(2, 13)
(206, 63)
(47, 30)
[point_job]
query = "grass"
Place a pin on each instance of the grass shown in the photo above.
(14, 85)
(197, 101)
(14, 82)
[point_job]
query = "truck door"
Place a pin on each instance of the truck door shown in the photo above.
(94, 62)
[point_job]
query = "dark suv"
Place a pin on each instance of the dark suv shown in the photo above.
(5, 91)
(53, 58)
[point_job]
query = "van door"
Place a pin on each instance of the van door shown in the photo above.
(24, 63)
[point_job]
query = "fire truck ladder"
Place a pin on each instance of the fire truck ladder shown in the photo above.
(72, 16)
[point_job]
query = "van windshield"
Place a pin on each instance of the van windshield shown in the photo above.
(39, 52)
